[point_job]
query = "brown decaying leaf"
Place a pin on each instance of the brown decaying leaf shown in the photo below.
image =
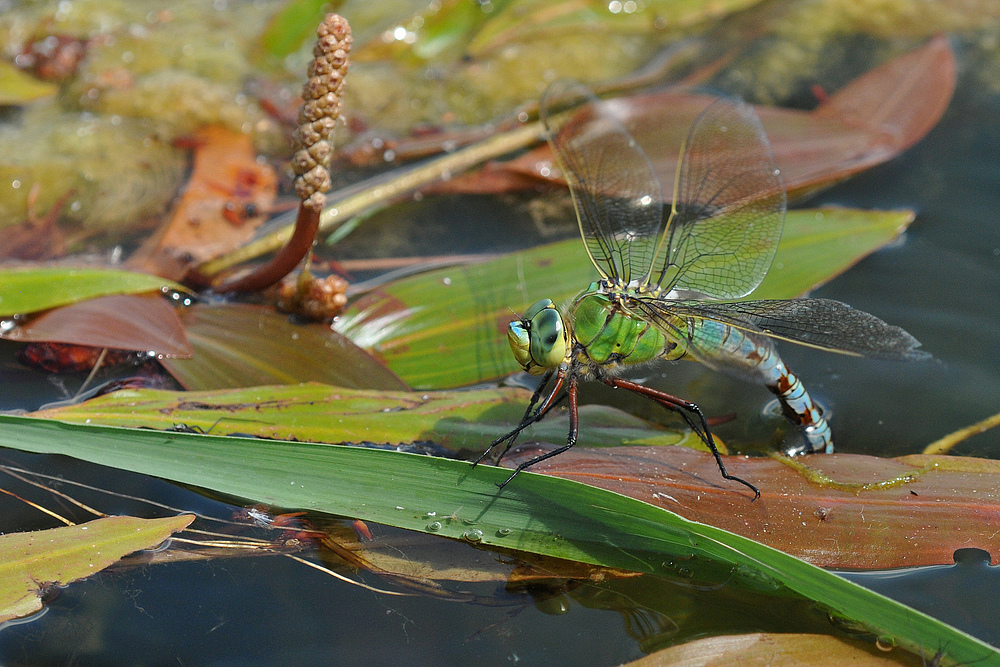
(869, 121)
(950, 502)
(142, 323)
(226, 199)
(776, 650)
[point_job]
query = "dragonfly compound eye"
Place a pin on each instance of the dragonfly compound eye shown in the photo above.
(520, 342)
(547, 338)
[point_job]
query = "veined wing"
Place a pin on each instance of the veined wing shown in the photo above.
(728, 207)
(616, 193)
(820, 323)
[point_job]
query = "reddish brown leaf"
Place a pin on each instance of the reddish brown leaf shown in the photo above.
(121, 322)
(953, 502)
(869, 121)
(226, 199)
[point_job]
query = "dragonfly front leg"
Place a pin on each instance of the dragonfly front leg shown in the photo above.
(688, 411)
(531, 415)
(574, 430)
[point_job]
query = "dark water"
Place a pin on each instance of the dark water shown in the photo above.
(942, 284)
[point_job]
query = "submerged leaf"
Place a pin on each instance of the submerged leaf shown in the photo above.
(30, 562)
(141, 323)
(31, 289)
(447, 328)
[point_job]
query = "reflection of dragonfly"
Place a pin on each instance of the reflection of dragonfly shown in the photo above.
(664, 288)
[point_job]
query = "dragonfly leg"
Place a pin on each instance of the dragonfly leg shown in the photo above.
(531, 415)
(688, 411)
(574, 430)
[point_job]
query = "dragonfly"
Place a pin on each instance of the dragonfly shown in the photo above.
(671, 290)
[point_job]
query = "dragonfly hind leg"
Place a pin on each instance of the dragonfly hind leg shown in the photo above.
(689, 411)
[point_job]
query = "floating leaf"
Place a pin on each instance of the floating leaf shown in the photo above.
(827, 517)
(535, 513)
(145, 323)
(447, 328)
(320, 413)
(30, 562)
(243, 346)
(31, 289)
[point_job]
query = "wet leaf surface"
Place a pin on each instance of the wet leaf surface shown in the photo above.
(31, 562)
(950, 502)
(141, 323)
(30, 289)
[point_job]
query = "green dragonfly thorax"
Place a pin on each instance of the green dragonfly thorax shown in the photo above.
(598, 326)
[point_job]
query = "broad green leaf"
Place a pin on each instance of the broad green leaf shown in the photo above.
(28, 290)
(16, 87)
(31, 561)
(294, 24)
(321, 413)
(447, 328)
(240, 345)
(535, 513)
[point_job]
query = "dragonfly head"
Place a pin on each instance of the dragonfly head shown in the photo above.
(538, 339)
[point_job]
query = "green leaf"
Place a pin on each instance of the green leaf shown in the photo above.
(321, 413)
(27, 290)
(536, 513)
(447, 328)
(32, 561)
(291, 26)
(16, 87)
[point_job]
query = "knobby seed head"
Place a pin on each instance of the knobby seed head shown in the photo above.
(321, 108)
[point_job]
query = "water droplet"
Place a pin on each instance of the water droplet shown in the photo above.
(503, 532)
(434, 526)
(685, 572)
(885, 643)
(473, 535)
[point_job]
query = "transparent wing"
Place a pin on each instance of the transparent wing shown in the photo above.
(820, 323)
(616, 193)
(728, 208)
